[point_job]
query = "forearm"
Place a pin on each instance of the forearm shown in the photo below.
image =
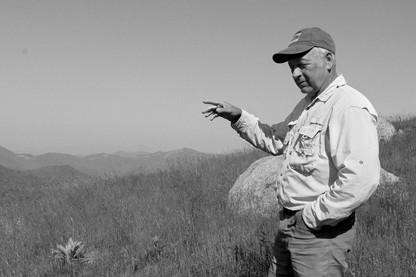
(259, 135)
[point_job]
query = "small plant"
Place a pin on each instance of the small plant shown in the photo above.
(73, 251)
(153, 254)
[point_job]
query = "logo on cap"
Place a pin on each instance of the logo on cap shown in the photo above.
(296, 37)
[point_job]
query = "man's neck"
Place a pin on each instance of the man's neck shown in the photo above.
(331, 77)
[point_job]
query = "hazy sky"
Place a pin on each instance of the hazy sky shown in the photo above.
(99, 76)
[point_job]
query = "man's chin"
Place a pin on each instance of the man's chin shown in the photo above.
(305, 90)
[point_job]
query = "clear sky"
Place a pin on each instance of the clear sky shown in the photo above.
(83, 76)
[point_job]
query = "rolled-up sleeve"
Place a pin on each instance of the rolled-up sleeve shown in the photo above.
(265, 137)
(353, 143)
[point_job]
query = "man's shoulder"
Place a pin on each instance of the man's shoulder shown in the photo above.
(347, 96)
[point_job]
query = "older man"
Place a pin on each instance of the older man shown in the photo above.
(331, 164)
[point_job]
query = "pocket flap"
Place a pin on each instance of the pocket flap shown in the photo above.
(310, 131)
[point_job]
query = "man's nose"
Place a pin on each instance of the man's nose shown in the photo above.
(296, 73)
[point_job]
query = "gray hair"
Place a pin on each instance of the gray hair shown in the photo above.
(321, 53)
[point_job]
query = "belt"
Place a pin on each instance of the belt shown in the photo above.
(286, 213)
(344, 223)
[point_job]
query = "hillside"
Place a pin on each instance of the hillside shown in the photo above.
(10, 160)
(58, 173)
(10, 176)
(17, 186)
(97, 164)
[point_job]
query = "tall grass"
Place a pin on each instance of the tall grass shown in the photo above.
(386, 240)
(176, 222)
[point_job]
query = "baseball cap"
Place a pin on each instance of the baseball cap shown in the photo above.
(303, 41)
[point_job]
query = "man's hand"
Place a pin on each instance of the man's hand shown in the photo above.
(299, 222)
(222, 109)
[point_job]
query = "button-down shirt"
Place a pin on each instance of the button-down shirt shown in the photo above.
(330, 149)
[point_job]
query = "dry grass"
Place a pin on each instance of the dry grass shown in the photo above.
(175, 223)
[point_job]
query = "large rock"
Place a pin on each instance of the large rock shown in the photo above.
(255, 191)
(388, 178)
(385, 129)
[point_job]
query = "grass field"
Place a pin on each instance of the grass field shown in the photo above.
(176, 222)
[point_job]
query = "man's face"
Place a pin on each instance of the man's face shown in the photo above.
(310, 72)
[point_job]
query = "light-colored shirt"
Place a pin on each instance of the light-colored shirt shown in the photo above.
(330, 145)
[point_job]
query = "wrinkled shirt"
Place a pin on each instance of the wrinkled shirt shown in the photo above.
(330, 147)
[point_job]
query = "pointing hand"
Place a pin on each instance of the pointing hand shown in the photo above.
(222, 109)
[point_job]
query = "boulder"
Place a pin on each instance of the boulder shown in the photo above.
(385, 129)
(255, 191)
(388, 178)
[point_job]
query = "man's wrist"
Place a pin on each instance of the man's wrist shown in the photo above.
(300, 222)
(304, 221)
(233, 121)
(309, 219)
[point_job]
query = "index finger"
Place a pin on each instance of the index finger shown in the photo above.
(209, 102)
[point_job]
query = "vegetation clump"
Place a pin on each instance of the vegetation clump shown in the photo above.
(73, 251)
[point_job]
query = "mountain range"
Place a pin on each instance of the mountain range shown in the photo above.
(57, 164)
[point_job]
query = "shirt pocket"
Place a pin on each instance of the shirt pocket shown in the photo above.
(306, 149)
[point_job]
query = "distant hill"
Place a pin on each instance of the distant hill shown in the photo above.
(127, 154)
(16, 177)
(9, 159)
(15, 185)
(96, 164)
(58, 173)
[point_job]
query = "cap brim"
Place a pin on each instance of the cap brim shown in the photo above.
(290, 53)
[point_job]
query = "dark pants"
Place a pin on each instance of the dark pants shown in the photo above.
(300, 251)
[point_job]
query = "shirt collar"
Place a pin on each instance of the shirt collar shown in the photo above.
(329, 91)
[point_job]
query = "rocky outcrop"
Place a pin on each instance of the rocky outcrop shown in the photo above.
(385, 129)
(388, 178)
(255, 191)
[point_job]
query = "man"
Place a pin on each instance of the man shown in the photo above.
(331, 164)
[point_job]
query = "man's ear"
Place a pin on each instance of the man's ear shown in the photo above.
(329, 60)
